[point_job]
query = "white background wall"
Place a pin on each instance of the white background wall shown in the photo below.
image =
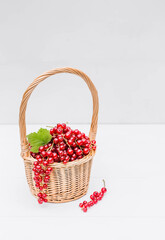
(119, 44)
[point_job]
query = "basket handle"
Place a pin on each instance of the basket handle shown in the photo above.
(32, 86)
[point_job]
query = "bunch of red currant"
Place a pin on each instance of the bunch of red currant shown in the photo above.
(95, 197)
(65, 145)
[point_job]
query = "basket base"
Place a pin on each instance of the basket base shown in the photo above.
(65, 201)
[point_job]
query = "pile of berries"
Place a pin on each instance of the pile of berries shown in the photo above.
(65, 145)
(95, 197)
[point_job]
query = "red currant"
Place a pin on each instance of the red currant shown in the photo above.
(43, 153)
(103, 190)
(41, 148)
(49, 154)
(81, 205)
(84, 209)
(51, 131)
(40, 200)
(45, 186)
(55, 140)
(70, 151)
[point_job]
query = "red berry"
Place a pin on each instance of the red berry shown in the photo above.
(67, 158)
(93, 142)
(45, 163)
(60, 138)
(79, 136)
(51, 131)
(62, 158)
(101, 194)
(87, 145)
(55, 140)
(94, 147)
(33, 154)
(91, 197)
(74, 155)
(37, 185)
(47, 177)
(85, 205)
(75, 149)
(44, 195)
(40, 179)
(84, 209)
(49, 154)
(35, 163)
(39, 195)
(85, 202)
(76, 131)
(63, 125)
(99, 198)
(40, 200)
(70, 142)
(68, 135)
(50, 160)
(95, 194)
(55, 129)
(41, 148)
(46, 146)
(49, 169)
(83, 141)
(43, 153)
(38, 167)
(41, 188)
(59, 125)
(70, 151)
(61, 153)
(86, 151)
(81, 205)
(95, 201)
(64, 162)
(79, 142)
(59, 130)
(103, 190)
(36, 174)
(79, 152)
(55, 156)
(74, 144)
(45, 186)
(47, 172)
(91, 203)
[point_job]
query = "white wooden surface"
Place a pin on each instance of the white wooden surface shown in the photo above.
(131, 158)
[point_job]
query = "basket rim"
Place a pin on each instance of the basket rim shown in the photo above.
(69, 164)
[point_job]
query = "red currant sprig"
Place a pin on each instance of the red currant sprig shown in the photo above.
(95, 197)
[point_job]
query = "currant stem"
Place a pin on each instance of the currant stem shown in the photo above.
(66, 140)
(104, 182)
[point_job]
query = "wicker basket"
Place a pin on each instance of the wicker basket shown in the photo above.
(67, 182)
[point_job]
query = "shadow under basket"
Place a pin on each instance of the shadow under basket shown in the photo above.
(67, 182)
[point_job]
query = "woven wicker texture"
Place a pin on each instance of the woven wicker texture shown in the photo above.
(67, 182)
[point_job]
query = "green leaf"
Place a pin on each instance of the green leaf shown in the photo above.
(38, 139)
(34, 149)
